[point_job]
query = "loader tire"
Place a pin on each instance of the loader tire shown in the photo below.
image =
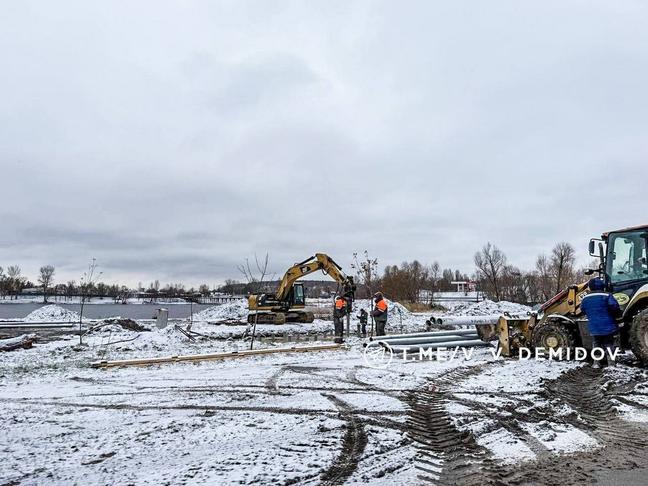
(553, 335)
(639, 336)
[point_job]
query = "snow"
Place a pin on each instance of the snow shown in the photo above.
(261, 419)
(488, 307)
(231, 310)
(52, 313)
(560, 438)
(506, 447)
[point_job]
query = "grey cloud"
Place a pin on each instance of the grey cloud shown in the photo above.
(174, 148)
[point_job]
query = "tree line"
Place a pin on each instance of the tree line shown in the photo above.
(493, 276)
(551, 274)
(13, 283)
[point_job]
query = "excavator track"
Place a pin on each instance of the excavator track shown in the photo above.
(281, 317)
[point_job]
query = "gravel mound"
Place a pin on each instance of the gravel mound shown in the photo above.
(52, 313)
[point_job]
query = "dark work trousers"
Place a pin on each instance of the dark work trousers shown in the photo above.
(380, 327)
(604, 342)
(339, 327)
(362, 328)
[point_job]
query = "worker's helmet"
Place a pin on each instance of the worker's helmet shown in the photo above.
(378, 296)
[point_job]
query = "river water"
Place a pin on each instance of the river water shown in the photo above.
(101, 311)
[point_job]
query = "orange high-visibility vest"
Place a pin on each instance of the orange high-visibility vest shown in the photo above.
(381, 305)
(340, 303)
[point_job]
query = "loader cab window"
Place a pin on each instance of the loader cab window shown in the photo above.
(627, 257)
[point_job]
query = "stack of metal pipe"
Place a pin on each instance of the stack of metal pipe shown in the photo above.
(414, 343)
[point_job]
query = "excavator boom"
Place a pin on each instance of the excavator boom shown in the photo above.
(286, 304)
(319, 261)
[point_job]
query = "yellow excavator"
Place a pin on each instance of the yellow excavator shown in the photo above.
(288, 302)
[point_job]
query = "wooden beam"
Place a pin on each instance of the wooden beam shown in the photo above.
(212, 356)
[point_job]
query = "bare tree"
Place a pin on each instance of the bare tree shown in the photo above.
(434, 273)
(491, 265)
(87, 284)
(70, 289)
(366, 272)
(46, 279)
(255, 279)
(545, 278)
(563, 257)
(405, 282)
(15, 280)
(255, 275)
(204, 290)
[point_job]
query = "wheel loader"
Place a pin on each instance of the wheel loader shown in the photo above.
(560, 323)
(288, 302)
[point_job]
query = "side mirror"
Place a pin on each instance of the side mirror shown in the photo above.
(589, 271)
(592, 247)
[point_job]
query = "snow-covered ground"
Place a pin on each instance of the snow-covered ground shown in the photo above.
(330, 416)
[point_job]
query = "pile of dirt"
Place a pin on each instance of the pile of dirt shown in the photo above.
(52, 313)
(115, 324)
(232, 310)
(488, 307)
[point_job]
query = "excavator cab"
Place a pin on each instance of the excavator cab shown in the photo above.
(297, 295)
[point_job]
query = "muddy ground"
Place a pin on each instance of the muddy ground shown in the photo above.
(322, 418)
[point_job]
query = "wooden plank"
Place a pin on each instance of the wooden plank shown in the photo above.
(212, 356)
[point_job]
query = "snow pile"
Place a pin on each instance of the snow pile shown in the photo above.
(398, 308)
(231, 310)
(488, 308)
(52, 313)
(395, 308)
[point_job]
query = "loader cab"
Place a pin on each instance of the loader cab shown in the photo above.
(626, 262)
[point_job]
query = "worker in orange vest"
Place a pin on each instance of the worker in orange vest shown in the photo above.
(380, 313)
(339, 311)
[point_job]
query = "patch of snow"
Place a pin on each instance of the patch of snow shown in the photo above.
(630, 413)
(52, 313)
(232, 310)
(563, 438)
(488, 307)
(507, 448)
(518, 376)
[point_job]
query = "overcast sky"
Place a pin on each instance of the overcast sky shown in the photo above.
(171, 140)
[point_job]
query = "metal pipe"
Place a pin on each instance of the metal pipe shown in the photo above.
(427, 339)
(467, 320)
(449, 332)
(473, 343)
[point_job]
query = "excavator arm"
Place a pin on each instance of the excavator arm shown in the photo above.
(319, 261)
